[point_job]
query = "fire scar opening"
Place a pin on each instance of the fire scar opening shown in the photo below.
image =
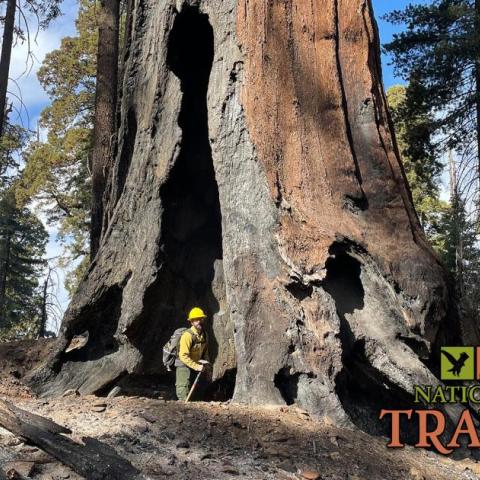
(190, 258)
(362, 389)
(191, 225)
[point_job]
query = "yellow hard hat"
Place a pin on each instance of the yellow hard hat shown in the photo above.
(195, 314)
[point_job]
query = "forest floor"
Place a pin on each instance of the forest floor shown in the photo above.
(200, 440)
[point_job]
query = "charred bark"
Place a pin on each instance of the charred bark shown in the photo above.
(93, 459)
(257, 176)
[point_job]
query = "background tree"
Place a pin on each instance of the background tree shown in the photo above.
(56, 172)
(462, 251)
(438, 53)
(7, 41)
(51, 311)
(44, 11)
(104, 132)
(414, 132)
(22, 248)
(448, 226)
(22, 245)
(11, 145)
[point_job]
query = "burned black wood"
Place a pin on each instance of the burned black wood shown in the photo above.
(92, 459)
(7, 409)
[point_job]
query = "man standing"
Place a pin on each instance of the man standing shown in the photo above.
(193, 353)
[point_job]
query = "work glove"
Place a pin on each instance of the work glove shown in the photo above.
(206, 365)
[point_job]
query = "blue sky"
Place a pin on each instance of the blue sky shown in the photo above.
(32, 93)
(381, 7)
(35, 98)
(386, 30)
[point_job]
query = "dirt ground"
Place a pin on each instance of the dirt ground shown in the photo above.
(200, 440)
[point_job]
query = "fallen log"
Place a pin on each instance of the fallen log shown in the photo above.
(10, 414)
(92, 459)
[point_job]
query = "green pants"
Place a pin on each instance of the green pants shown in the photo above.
(183, 382)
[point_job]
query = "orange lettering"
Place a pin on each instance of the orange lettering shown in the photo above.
(395, 440)
(424, 435)
(469, 429)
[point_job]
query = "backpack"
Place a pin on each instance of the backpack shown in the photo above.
(170, 350)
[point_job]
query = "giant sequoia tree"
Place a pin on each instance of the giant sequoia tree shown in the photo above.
(257, 176)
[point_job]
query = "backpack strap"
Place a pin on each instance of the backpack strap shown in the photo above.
(196, 337)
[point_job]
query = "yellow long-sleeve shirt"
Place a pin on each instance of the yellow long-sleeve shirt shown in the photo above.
(192, 350)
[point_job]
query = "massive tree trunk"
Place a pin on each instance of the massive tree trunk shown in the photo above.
(258, 177)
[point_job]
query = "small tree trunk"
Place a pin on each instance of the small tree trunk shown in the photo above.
(458, 226)
(477, 84)
(5, 59)
(3, 281)
(43, 318)
(105, 107)
(108, 195)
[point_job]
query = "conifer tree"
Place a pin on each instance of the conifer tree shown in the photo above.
(56, 173)
(438, 53)
(22, 249)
